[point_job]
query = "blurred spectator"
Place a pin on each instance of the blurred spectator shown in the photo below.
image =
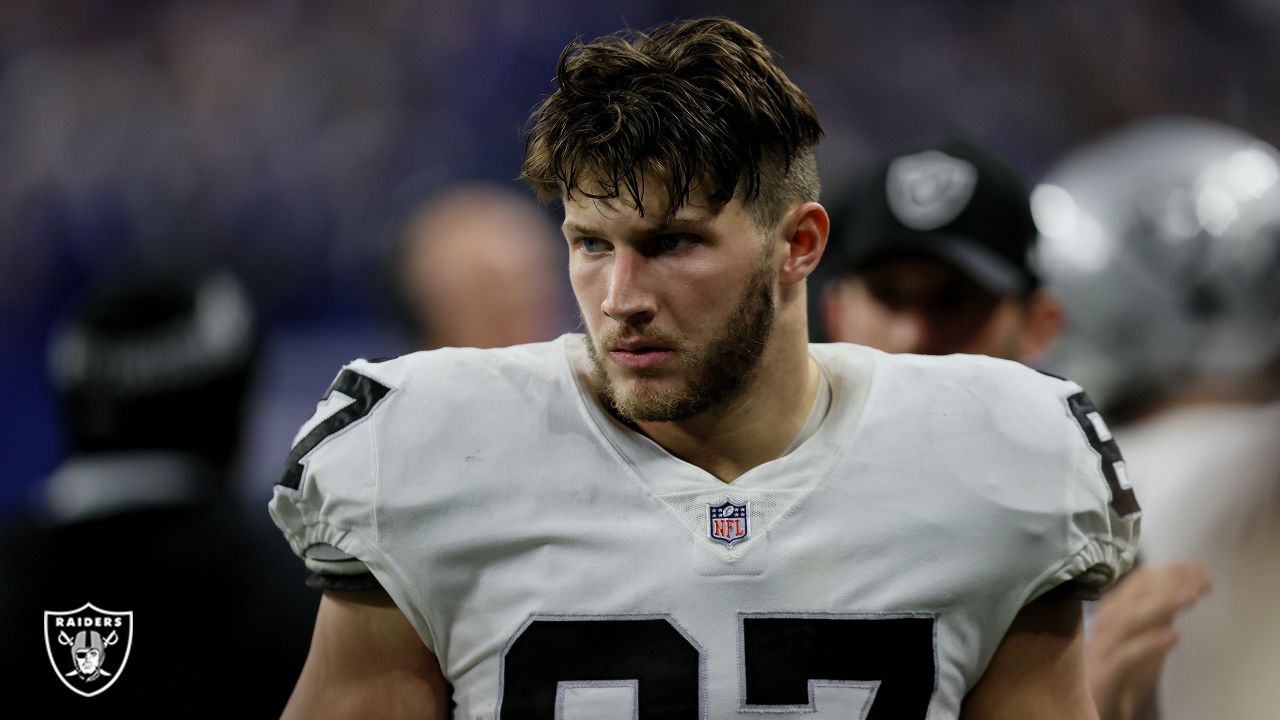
(936, 258)
(479, 266)
(1163, 240)
(151, 376)
(933, 258)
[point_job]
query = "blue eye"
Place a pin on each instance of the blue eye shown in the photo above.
(591, 246)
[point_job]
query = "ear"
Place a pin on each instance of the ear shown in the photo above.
(1042, 324)
(805, 231)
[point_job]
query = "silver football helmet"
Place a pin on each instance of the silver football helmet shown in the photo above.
(1163, 241)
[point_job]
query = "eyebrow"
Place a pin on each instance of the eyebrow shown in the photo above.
(675, 224)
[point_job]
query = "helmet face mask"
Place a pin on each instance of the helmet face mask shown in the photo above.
(1163, 241)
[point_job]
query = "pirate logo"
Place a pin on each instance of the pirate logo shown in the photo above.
(88, 647)
(930, 189)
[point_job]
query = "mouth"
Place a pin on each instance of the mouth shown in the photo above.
(640, 357)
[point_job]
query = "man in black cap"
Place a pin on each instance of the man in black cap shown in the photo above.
(935, 259)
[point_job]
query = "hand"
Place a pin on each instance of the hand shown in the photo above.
(1133, 633)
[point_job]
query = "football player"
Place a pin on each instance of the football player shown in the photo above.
(688, 511)
(938, 258)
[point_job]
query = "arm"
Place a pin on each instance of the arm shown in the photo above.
(1133, 633)
(367, 661)
(1037, 672)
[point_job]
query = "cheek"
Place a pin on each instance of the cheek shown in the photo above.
(700, 307)
(999, 335)
(864, 320)
(708, 294)
(587, 289)
(866, 314)
(589, 292)
(709, 286)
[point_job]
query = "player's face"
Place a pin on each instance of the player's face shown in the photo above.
(678, 307)
(920, 304)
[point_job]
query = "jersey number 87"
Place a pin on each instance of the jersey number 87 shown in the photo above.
(781, 658)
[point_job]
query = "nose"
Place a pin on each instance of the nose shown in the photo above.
(629, 299)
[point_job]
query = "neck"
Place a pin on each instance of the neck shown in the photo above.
(759, 424)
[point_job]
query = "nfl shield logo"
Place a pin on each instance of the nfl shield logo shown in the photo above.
(728, 522)
(88, 646)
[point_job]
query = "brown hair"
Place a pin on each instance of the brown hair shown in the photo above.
(690, 100)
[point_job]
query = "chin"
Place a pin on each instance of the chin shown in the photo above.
(643, 399)
(632, 389)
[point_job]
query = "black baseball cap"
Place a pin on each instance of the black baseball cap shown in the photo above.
(156, 362)
(947, 198)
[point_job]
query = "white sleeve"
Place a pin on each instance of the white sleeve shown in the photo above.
(324, 502)
(1103, 516)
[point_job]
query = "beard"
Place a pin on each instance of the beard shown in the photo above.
(715, 374)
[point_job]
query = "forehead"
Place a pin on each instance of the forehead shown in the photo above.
(587, 215)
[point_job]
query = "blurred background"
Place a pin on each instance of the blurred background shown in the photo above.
(286, 140)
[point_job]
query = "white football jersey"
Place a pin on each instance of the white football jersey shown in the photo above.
(562, 565)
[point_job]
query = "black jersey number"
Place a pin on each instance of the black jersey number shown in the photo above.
(1123, 500)
(365, 391)
(665, 664)
(783, 658)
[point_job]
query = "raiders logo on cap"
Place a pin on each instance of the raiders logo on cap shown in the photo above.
(929, 189)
